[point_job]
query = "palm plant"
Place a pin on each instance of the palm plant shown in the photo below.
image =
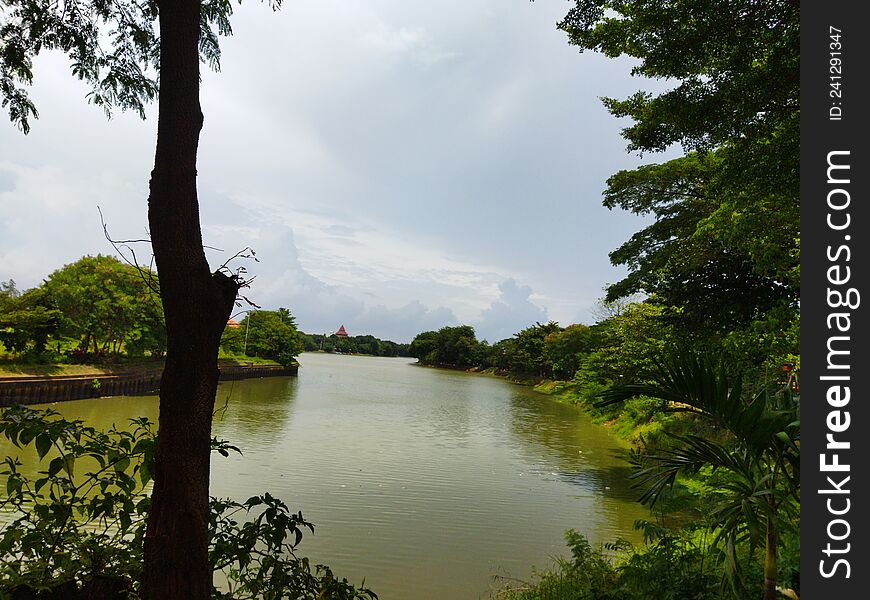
(760, 453)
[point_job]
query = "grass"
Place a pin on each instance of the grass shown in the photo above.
(13, 368)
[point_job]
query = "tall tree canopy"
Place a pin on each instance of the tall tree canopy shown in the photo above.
(114, 47)
(724, 247)
(105, 303)
(272, 334)
(26, 320)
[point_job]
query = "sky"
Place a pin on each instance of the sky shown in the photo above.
(396, 166)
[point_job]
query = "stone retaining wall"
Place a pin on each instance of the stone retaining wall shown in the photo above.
(39, 390)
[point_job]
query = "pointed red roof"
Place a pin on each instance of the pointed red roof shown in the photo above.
(341, 332)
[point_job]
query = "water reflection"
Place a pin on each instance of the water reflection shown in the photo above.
(254, 411)
(581, 453)
(425, 482)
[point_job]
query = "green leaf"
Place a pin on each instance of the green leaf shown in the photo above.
(26, 436)
(55, 466)
(144, 473)
(69, 464)
(43, 445)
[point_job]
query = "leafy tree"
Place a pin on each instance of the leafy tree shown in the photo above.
(424, 347)
(449, 346)
(273, 335)
(626, 346)
(358, 344)
(682, 258)
(105, 303)
(233, 340)
(27, 320)
(457, 345)
(724, 248)
(115, 48)
(761, 458)
(527, 354)
(565, 349)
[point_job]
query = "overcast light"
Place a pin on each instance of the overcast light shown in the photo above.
(397, 166)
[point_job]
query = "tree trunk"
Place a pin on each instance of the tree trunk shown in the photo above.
(770, 561)
(196, 305)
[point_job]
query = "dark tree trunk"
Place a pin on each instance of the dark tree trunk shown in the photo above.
(197, 304)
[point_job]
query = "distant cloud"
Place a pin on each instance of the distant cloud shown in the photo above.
(511, 312)
(393, 40)
(391, 163)
(403, 323)
(7, 180)
(320, 307)
(414, 42)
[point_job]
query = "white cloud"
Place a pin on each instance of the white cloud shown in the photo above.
(391, 162)
(511, 312)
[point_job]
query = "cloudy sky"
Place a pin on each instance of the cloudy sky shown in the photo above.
(397, 166)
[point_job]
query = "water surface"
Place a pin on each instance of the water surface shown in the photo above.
(426, 482)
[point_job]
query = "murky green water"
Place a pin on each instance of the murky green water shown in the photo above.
(426, 482)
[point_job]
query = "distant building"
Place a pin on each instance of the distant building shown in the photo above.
(232, 324)
(341, 332)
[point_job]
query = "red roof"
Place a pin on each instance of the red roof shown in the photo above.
(341, 332)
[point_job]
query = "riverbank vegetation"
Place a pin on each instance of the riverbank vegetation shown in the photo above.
(99, 314)
(107, 315)
(696, 355)
(352, 344)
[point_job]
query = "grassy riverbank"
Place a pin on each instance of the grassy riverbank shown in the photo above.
(638, 421)
(12, 368)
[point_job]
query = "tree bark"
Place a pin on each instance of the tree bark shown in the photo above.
(196, 304)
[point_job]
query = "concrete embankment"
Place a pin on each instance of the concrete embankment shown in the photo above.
(39, 390)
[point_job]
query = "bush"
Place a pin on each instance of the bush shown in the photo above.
(673, 566)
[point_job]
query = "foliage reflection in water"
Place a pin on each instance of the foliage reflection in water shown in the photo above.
(425, 482)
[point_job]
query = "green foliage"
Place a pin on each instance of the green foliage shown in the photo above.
(355, 344)
(672, 566)
(26, 320)
(258, 555)
(449, 346)
(525, 354)
(107, 305)
(625, 346)
(81, 522)
(232, 341)
(272, 334)
(724, 249)
(710, 280)
(760, 458)
(82, 518)
(736, 63)
(112, 46)
(565, 349)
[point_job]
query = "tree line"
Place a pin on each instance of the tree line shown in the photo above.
(719, 264)
(91, 308)
(99, 308)
(700, 357)
(353, 344)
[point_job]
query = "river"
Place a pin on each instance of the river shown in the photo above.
(426, 482)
